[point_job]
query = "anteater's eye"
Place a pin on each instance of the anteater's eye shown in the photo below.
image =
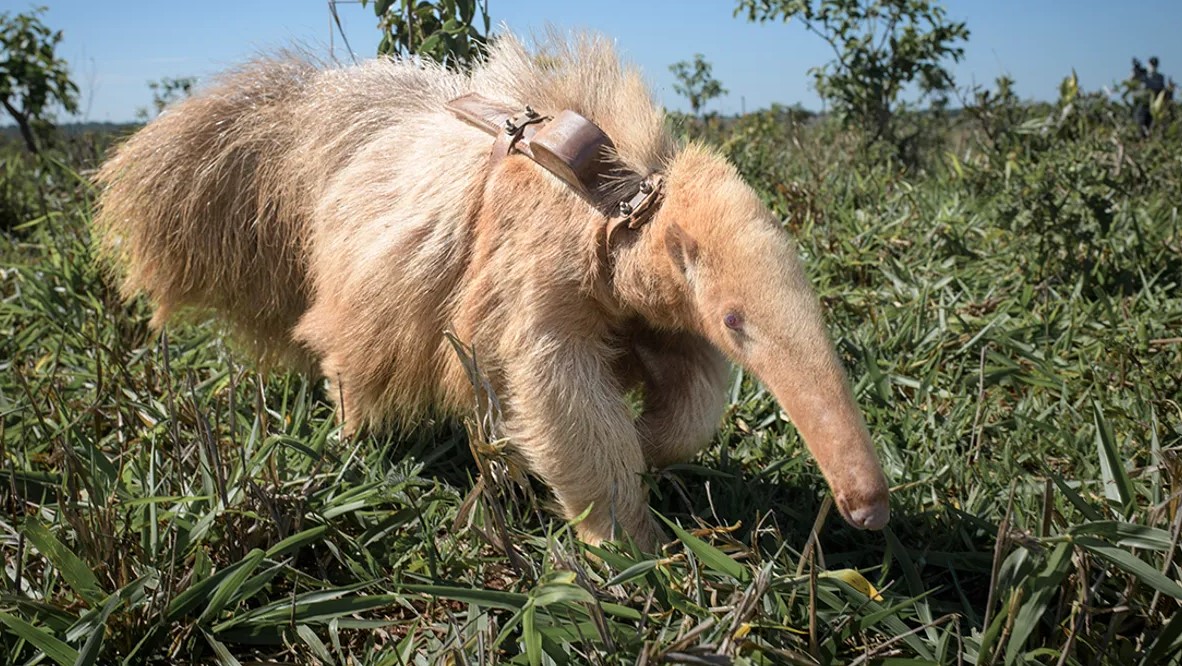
(733, 321)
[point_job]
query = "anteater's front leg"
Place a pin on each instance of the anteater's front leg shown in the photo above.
(566, 413)
(685, 380)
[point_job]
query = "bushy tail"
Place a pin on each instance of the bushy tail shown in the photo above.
(198, 209)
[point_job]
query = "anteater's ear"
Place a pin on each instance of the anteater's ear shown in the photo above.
(682, 248)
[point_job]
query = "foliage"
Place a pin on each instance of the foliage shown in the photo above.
(695, 82)
(880, 47)
(996, 114)
(34, 186)
(32, 77)
(1009, 313)
(446, 31)
(167, 91)
(1067, 172)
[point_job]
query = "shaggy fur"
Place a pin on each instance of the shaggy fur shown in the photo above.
(341, 217)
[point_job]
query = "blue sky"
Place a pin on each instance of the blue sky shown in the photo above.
(115, 47)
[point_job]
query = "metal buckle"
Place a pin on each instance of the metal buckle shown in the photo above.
(515, 125)
(636, 210)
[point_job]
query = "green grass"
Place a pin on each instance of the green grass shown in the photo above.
(1010, 314)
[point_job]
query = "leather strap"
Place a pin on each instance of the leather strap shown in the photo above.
(568, 146)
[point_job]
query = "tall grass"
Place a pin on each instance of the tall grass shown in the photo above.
(1010, 311)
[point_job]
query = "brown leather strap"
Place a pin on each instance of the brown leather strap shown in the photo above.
(569, 146)
(637, 210)
(480, 112)
(506, 125)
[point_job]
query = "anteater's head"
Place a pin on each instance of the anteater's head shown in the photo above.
(715, 261)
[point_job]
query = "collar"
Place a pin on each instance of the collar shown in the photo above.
(572, 148)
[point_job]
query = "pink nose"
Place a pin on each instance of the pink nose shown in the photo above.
(870, 517)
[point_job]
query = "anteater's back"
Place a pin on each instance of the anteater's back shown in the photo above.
(261, 194)
(208, 206)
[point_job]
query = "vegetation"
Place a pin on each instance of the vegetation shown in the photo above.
(446, 31)
(879, 48)
(32, 77)
(1009, 306)
(167, 91)
(696, 82)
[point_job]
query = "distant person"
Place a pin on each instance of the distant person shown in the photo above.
(1141, 96)
(1157, 83)
(1154, 81)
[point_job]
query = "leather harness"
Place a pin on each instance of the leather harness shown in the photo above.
(569, 146)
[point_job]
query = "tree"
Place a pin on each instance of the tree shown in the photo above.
(444, 31)
(166, 91)
(32, 77)
(880, 46)
(696, 83)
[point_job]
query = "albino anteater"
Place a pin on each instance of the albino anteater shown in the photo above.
(347, 217)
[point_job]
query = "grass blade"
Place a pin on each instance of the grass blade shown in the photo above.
(1117, 486)
(311, 609)
(1043, 587)
(74, 571)
(1076, 499)
(231, 585)
(223, 654)
(90, 650)
(479, 597)
(1168, 642)
(1129, 535)
(59, 652)
(635, 571)
(314, 643)
(1132, 565)
(712, 557)
(296, 541)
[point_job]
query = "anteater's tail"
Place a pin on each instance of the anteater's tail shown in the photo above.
(209, 206)
(193, 208)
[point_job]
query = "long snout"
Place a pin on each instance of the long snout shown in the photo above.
(817, 397)
(755, 303)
